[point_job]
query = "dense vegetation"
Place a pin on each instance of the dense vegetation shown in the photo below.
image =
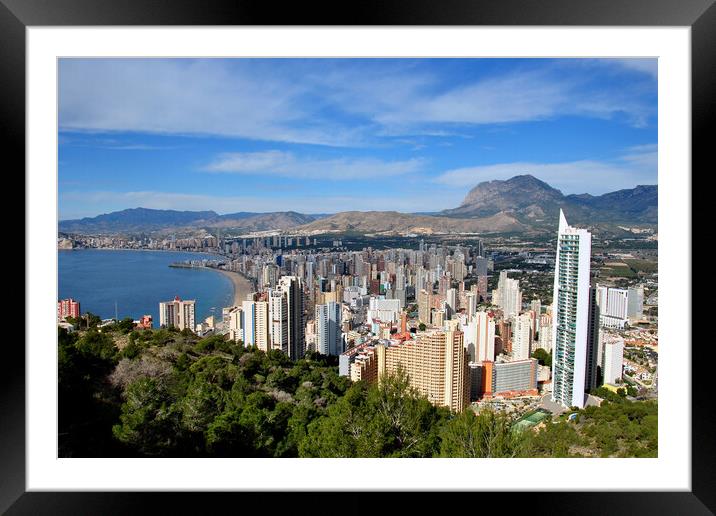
(617, 428)
(169, 393)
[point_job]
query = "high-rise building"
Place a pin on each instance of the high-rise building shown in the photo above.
(329, 338)
(508, 295)
(485, 340)
(471, 299)
(522, 337)
(278, 320)
(545, 333)
(590, 373)
(437, 318)
(256, 324)
(68, 308)
(481, 273)
(292, 287)
(612, 359)
(613, 307)
(424, 306)
(536, 309)
(436, 364)
(451, 302)
(177, 313)
(635, 305)
(236, 324)
(571, 314)
(262, 339)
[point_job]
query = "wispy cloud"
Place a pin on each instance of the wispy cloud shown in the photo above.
(637, 166)
(109, 144)
(326, 102)
(280, 163)
(402, 101)
(186, 96)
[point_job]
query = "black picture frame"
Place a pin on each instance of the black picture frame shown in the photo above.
(16, 15)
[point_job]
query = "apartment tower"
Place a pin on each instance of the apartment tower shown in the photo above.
(571, 316)
(292, 287)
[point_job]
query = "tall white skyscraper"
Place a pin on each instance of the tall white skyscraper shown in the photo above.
(571, 314)
(329, 339)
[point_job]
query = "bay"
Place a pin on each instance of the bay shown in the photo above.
(138, 281)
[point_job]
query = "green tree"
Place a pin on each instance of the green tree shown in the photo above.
(149, 422)
(543, 357)
(484, 435)
(386, 420)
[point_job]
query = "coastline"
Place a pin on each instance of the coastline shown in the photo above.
(242, 286)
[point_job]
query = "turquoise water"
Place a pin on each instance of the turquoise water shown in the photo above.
(138, 281)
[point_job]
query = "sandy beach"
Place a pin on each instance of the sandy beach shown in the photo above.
(242, 286)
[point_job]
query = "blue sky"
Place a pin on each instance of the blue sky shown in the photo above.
(328, 135)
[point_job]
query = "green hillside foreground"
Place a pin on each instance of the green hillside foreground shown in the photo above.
(169, 393)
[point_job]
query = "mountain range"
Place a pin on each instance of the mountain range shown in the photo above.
(138, 220)
(532, 201)
(520, 204)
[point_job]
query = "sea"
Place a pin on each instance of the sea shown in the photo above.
(137, 281)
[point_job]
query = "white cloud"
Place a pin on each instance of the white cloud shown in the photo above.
(286, 164)
(185, 96)
(404, 102)
(639, 166)
(327, 102)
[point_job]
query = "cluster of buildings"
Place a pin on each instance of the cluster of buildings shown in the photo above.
(276, 319)
(70, 308)
(427, 312)
(468, 347)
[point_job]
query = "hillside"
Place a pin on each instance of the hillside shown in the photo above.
(139, 220)
(394, 222)
(135, 219)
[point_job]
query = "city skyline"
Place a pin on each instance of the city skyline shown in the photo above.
(328, 135)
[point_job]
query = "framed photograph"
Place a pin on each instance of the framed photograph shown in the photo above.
(432, 249)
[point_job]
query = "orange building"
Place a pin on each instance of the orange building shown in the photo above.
(436, 365)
